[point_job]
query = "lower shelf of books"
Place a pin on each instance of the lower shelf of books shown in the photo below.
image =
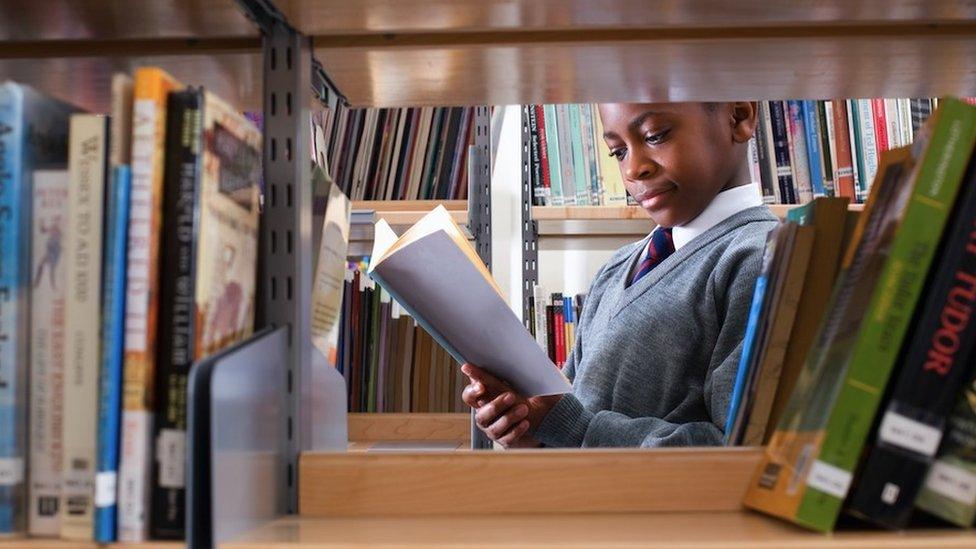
(664, 530)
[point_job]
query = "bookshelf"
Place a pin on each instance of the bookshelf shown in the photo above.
(491, 52)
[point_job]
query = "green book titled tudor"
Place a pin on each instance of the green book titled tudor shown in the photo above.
(809, 464)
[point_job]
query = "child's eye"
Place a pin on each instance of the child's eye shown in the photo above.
(657, 138)
(618, 153)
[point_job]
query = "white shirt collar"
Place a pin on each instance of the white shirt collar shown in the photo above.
(724, 205)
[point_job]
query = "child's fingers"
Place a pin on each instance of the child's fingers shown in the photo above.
(501, 426)
(492, 384)
(489, 413)
(514, 434)
(473, 394)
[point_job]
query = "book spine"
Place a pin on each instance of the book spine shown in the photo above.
(568, 176)
(552, 153)
(937, 360)
(110, 375)
(559, 334)
(868, 144)
(580, 173)
(811, 124)
(827, 155)
(538, 187)
(781, 146)
(541, 328)
(141, 299)
(611, 179)
(857, 159)
(49, 214)
(921, 110)
(551, 333)
(589, 157)
(88, 160)
(886, 320)
(843, 165)
(178, 323)
(880, 118)
(800, 161)
(14, 196)
(544, 155)
(767, 164)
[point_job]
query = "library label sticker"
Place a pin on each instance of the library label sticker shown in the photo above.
(105, 484)
(909, 434)
(952, 482)
(11, 471)
(829, 479)
(171, 455)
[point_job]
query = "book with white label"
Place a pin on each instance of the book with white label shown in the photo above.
(88, 171)
(47, 349)
(435, 274)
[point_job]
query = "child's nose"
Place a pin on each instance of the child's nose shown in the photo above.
(640, 167)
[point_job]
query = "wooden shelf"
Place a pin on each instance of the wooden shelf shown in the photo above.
(45, 543)
(332, 17)
(377, 427)
(408, 212)
(698, 61)
(35, 20)
(549, 481)
(86, 81)
(700, 530)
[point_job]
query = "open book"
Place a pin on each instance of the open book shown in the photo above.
(438, 277)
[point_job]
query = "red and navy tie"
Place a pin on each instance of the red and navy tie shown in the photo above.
(658, 249)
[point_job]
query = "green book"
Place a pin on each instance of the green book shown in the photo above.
(580, 171)
(872, 354)
(808, 465)
(552, 151)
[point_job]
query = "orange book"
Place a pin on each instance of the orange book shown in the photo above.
(152, 85)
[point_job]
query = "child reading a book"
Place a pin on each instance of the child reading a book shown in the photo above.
(659, 338)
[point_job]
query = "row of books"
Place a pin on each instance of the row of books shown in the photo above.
(552, 321)
(129, 253)
(399, 154)
(390, 363)
(858, 368)
(801, 149)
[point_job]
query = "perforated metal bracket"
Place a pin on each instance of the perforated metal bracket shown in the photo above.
(479, 213)
(530, 230)
(286, 228)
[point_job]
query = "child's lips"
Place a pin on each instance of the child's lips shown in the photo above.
(654, 199)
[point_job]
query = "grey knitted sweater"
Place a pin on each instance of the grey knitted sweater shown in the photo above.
(654, 363)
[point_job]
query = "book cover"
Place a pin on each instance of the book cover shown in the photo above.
(799, 159)
(142, 297)
(861, 337)
(936, 361)
(88, 173)
(33, 136)
(49, 215)
(110, 374)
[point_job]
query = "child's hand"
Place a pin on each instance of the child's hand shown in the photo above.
(501, 413)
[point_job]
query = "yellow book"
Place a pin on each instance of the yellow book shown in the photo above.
(613, 183)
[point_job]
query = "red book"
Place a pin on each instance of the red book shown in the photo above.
(559, 332)
(880, 124)
(844, 168)
(551, 332)
(543, 153)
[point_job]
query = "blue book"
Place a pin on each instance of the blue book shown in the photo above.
(33, 135)
(734, 421)
(811, 123)
(110, 375)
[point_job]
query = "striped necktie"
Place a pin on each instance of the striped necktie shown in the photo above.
(658, 249)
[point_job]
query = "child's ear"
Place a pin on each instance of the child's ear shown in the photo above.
(743, 120)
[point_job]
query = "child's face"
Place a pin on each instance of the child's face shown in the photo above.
(675, 157)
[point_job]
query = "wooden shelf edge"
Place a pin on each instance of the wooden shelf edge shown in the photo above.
(414, 426)
(581, 481)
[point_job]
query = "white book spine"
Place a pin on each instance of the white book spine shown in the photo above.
(869, 142)
(50, 212)
(541, 326)
(87, 160)
(136, 420)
